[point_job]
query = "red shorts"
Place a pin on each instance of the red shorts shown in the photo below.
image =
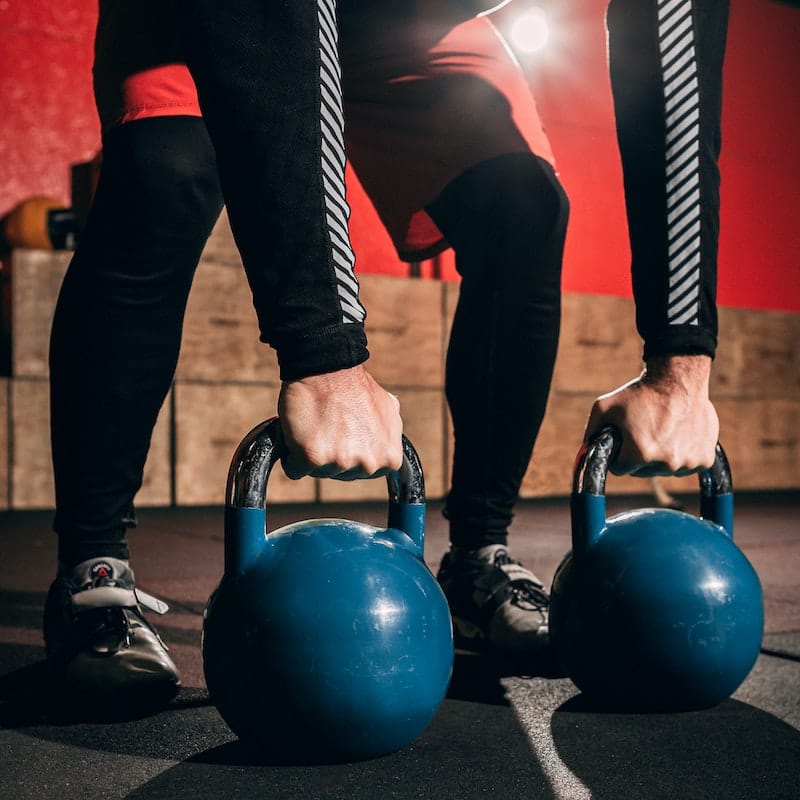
(419, 109)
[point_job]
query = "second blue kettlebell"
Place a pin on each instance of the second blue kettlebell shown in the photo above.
(327, 640)
(654, 609)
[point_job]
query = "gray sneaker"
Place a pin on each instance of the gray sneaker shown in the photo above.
(97, 637)
(495, 602)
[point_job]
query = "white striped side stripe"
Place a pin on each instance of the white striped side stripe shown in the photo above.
(332, 164)
(682, 105)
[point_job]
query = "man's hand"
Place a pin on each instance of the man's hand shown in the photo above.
(340, 425)
(667, 421)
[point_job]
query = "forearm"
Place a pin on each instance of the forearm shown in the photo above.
(267, 79)
(666, 73)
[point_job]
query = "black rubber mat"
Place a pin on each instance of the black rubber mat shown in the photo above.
(506, 730)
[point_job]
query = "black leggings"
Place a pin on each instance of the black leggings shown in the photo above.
(117, 328)
(506, 220)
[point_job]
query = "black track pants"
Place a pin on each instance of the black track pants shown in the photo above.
(506, 219)
(117, 327)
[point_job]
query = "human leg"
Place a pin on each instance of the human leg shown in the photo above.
(117, 326)
(446, 156)
(114, 346)
(506, 219)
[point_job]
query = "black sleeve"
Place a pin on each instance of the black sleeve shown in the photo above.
(666, 76)
(268, 80)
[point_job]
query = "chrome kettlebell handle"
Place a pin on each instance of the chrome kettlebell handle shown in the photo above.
(591, 471)
(246, 494)
(594, 458)
(264, 445)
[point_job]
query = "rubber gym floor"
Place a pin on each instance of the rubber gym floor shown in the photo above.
(505, 730)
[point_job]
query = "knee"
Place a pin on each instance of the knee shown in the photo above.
(510, 199)
(507, 221)
(161, 169)
(523, 198)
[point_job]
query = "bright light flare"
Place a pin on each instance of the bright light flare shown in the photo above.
(530, 31)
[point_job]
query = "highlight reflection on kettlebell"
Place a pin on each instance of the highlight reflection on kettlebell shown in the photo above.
(654, 609)
(328, 639)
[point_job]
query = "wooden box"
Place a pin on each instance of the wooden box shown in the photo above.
(221, 247)
(762, 440)
(405, 330)
(32, 470)
(758, 354)
(36, 278)
(220, 332)
(210, 422)
(599, 348)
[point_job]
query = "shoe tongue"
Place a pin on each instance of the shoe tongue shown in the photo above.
(101, 572)
(493, 553)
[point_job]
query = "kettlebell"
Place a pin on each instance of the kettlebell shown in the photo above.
(654, 609)
(327, 640)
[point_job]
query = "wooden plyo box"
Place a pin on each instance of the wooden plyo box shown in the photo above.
(221, 247)
(599, 348)
(210, 422)
(758, 355)
(227, 381)
(220, 331)
(31, 465)
(405, 330)
(36, 278)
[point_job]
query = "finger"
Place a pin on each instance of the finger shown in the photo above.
(651, 470)
(294, 469)
(661, 469)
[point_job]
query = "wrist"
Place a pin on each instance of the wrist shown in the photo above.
(691, 373)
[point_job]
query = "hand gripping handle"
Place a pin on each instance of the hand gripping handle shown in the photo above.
(589, 484)
(245, 497)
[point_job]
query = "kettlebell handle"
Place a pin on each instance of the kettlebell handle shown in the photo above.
(247, 489)
(589, 484)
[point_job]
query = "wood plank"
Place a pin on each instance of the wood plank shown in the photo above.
(32, 470)
(758, 354)
(404, 329)
(210, 422)
(599, 348)
(221, 247)
(220, 332)
(36, 277)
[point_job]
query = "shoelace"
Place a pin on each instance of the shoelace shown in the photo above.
(523, 588)
(111, 627)
(101, 604)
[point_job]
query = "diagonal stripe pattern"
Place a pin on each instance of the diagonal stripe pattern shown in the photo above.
(332, 164)
(682, 106)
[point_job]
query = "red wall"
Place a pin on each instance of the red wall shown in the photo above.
(47, 122)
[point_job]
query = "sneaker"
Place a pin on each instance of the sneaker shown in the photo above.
(495, 602)
(97, 638)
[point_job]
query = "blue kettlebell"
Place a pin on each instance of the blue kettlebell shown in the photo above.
(326, 640)
(654, 609)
